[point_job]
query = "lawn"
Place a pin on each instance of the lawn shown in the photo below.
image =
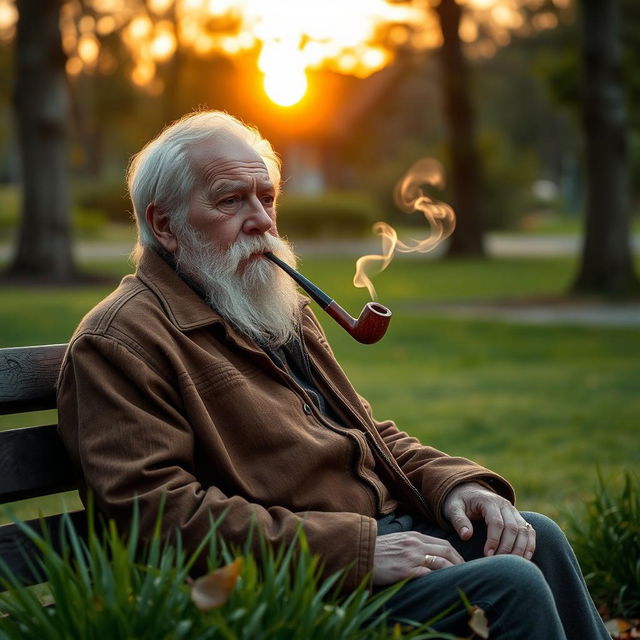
(543, 405)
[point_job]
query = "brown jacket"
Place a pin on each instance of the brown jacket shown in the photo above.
(157, 393)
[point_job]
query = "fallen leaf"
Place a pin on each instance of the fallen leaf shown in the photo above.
(478, 622)
(623, 629)
(212, 590)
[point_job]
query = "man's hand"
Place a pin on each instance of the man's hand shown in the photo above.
(507, 531)
(411, 554)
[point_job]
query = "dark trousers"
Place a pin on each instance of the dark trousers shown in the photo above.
(542, 599)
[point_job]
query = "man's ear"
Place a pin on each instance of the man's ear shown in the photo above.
(158, 222)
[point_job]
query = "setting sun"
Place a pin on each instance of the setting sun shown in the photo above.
(285, 87)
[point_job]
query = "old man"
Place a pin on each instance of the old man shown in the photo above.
(205, 379)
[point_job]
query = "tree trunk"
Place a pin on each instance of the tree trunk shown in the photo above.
(466, 183)
(607, 264)
(41, 106)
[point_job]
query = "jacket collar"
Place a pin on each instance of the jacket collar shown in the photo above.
(184, 307)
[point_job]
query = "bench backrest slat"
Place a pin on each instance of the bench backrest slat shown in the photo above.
(21, 555)
(28, 376)
(33, 462)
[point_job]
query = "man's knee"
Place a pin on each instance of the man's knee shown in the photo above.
(515, 578)
(550, 538)
(546, 528)
(511, 590)
(517, 599)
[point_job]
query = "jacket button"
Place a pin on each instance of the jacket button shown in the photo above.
(307, 409)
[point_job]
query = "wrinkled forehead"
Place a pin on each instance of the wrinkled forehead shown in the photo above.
(226, 155)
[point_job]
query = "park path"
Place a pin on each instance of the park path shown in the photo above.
(577, 314)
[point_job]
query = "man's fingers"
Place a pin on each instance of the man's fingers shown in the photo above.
(446, 553)
(518, 536)
(456, 513)
(507, 531)
(433, 562)
(520, 544)
(525, 545)
(420, 571)
(461, 523)
(440, 556)
(495, 526)
(513, 535)
(439, 547)
(410, 554)
(531, 541)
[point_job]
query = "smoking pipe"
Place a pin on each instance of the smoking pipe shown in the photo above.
(370, 325)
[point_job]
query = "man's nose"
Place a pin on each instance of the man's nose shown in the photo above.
(258, 221)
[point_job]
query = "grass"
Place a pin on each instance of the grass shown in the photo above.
(410, 280)
(543, 405)
(108, 587)
(606, 538)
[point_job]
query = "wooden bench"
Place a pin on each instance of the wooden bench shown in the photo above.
(33, 461)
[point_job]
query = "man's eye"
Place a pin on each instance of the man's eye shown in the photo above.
(268, 200)
(229, 202)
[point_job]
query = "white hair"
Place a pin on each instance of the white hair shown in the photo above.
(162, 172)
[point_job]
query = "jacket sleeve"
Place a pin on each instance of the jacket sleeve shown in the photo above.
(433, 472)
(127, 432)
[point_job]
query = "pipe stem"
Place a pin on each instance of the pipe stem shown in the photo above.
(370, 325)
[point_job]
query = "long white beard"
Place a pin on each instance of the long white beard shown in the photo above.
(256, 297)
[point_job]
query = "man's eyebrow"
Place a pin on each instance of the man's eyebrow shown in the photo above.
(224, 187)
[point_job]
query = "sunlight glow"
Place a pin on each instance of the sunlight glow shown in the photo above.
(108, 6)
(288, 38)
(74, 66)
(159, 6)
(106, 25)
(545, 21)
(285, 88)
(88, 49)
(140, 27)
(86, 24)
(164, 43)
(8, 19)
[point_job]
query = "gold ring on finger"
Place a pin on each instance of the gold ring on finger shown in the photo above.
(429, 561)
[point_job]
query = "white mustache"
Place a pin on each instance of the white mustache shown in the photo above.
(247, 246)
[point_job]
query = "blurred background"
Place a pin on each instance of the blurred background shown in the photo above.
(530, 105)
(516, 341)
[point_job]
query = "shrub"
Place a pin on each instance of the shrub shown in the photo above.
(109, 197)
(606, 539)
(9, 206)
(105, 587)
(509, 174)
(86, 221)
(334, 214)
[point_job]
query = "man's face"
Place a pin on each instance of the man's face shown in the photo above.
(233, 196)
(230, 224)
